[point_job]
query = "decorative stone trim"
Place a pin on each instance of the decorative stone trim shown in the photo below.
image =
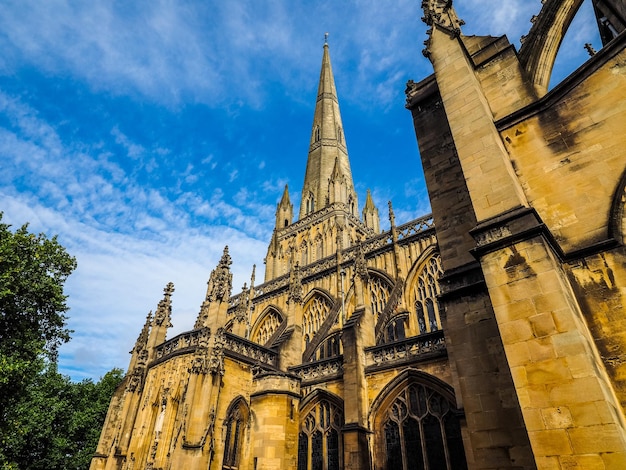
(319, 370)
(415, 349)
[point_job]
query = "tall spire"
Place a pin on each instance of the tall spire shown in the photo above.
(327, 144)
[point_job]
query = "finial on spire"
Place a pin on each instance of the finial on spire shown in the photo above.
(326, 39)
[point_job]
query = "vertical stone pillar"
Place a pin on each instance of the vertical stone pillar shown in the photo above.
(358, 333)
(573, 418)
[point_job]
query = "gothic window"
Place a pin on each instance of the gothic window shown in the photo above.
(379, 295)
(331, 347)
(426, 291)
(318, 134)
(318, 441)
(310, 204)
(421, 430)
(339, 135)
(267, 327)
(395, 330)
(234, 425)
(315, 313)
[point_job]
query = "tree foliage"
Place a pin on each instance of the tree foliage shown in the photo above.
(57, 423)
(33, 270)
(46, 420)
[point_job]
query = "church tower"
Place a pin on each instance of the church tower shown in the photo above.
(328, 219)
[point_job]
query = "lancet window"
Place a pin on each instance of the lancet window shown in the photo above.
(267, 327)
(234, 426)
(426, 291)
(310, 203)
(379, 294)
(421, 430)
(315, 313)
(319, 445)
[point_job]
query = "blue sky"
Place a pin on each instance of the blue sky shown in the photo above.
(149, 134)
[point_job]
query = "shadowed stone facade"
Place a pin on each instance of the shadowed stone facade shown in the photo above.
(488, 335)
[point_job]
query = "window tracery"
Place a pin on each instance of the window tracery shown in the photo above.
(421, 429)
(268, 327)
(331, 347)
(234, 425)
(315, 313)
(379, 295)
(319, 445)
(426, 291)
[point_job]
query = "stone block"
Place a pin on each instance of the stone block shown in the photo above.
(596, 439)
(542, 324)
(550, 442)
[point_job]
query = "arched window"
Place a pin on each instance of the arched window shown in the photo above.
(234, 425)
(315, 313)
(421, 429)
(339, 135)
(319, 443)
(318, 134)
(310, 204)
(395, 330)
(426, 291)
(331, 347)
(379, 295)
(267, 327)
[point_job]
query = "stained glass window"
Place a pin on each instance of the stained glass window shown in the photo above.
(422, 430)
(426, 291)
(319, 445)
(234, 424)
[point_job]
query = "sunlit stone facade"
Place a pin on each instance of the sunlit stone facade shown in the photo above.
(487, 335)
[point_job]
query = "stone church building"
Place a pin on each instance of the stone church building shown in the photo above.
(488, 335)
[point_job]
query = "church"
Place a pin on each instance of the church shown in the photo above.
(488, 335)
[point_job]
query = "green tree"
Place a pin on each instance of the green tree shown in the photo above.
(33, 270)
(57, 423)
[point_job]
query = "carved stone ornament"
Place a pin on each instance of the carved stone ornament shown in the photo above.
(440, 13)
(199, 364)
(216, 361)
(360, 265)
(241, 311)
(142, 340)
(136, 380)
(164, 310)
(296, 292)
(221, 280)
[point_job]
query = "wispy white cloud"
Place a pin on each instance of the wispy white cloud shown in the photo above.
(139, 209)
